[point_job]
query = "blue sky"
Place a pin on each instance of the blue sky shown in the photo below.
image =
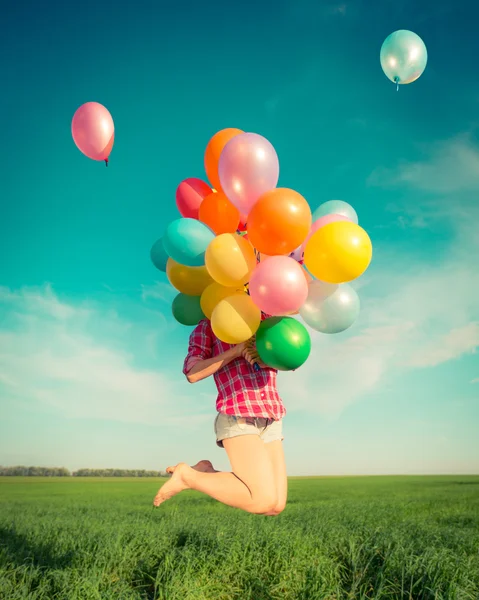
(90, 356)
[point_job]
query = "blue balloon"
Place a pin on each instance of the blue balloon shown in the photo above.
(403, 57)
(158, 255)
(330, 308)
(336, 207)
(186, 240)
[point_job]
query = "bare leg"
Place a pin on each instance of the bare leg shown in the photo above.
(276, 454)
(250, 487)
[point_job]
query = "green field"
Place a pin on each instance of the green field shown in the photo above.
(369, 537)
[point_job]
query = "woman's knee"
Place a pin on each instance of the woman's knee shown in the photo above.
(264, 503)
(278, 509)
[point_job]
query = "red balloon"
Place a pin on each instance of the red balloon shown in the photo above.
(189, 195)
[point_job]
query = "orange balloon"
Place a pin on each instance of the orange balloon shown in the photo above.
(212, 153)
(279, 222)
(219, 213)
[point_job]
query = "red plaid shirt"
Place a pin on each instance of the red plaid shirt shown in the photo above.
(242, 391)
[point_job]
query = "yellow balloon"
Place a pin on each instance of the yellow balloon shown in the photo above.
(230, 259)
(213, 294)
(188, 280)
(338, 252)
(235, 319)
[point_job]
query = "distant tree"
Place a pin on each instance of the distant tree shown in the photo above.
(33, 471)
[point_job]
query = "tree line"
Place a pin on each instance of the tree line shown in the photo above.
(21, 471)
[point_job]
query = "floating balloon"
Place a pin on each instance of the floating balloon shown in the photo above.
(186, 240)
(93, 131)
(189, 196)
(336, 207)
(330, 308)
(338, 252)
(213, 152)
(283, 343)
(187, 309)
(230, 259)
(187, 280)
(158, 255)
(235, 319)
(213, 294)
(278, 286)
(279, 222)
(219, 214)
(403, 57)
(248, 167)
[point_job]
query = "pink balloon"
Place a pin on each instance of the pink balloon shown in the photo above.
(93, 131)
(189, 195)
(248, 167)
(278, 286)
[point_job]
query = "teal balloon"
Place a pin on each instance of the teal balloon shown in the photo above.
(403, 56)
(283, 343)
(158, 255)
(186, 240)
(330, 308)
(336, 207)
(187, 309)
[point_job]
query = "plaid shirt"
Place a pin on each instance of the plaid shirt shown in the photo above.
(242, 391)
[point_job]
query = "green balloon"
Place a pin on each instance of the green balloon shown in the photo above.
(187, 309)
(283, 343)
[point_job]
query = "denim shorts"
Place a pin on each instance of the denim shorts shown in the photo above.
(229, 426)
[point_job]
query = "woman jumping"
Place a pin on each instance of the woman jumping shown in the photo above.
(248, 426)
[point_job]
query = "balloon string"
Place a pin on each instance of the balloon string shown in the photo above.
(106, 162)
(396, 79)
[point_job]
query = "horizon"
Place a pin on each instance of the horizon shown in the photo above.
(72, 472)
(91, 359)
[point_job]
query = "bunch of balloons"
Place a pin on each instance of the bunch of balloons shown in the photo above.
(246, 247)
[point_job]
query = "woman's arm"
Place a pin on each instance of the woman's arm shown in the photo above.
(205, 368)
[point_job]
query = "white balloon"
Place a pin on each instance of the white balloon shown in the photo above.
(403, 56)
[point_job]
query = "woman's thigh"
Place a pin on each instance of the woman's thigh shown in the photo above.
(251, 462)
(276, 457)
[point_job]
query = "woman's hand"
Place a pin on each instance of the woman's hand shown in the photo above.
(250, 353)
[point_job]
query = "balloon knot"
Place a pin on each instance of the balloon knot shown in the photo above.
(106, 162)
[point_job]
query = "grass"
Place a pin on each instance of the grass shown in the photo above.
(339, 538)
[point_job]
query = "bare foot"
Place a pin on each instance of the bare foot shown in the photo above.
(204, 466)
(174, 486)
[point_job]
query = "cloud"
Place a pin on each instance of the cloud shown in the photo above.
(159, 291)
(447, 346)
(448, 167)
(83, 362)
